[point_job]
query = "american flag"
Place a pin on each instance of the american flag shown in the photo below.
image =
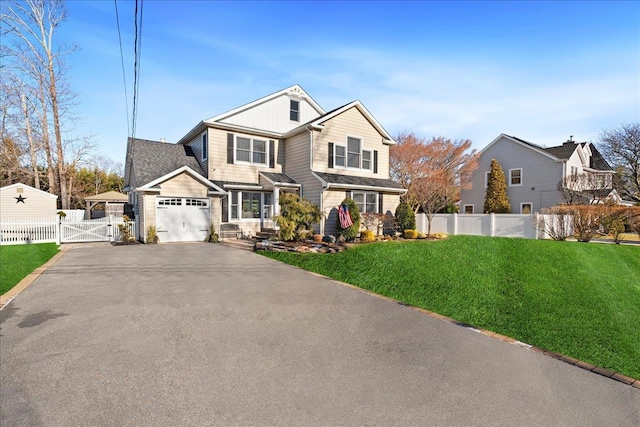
(345, 216)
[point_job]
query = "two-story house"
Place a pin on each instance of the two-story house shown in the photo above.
(232, 168)
(537, 177)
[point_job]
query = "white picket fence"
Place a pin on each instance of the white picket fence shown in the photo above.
(494, 225)
(53, 230)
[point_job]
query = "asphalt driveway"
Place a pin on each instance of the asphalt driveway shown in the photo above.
(202, 334)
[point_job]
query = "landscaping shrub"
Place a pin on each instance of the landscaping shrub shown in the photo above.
(296, 218)
(410, 234)
(349, 233)
(124, 230)
(556, 222)
(587, 219)
(373, 221)
(405, 217)
(367, 236)
(496, 199)
(212, 236)
(152, 234)
(439, 236)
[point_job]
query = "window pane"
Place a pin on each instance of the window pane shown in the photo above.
(371, 198)
(353, 160)
(234, 212)
(294, 113)
(358, 197)
(250, 205)
(526, 209)
(516, 177)
(244, 144)
(243, 156)
(353, 144)
(260, 158)
(234, 197)
(267, 198)
(340, 157)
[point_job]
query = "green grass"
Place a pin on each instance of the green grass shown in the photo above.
(578, 299)
(17, 261)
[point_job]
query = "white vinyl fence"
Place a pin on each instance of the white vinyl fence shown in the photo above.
(495, 225)
(54, 230)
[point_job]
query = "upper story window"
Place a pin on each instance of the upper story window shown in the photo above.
(486, 179)
(204, 146)
(352, 156)
(574, 170)
(250, 150)
(294, 110)
(515, 177)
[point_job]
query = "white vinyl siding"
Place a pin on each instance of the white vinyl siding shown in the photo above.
(35, 203)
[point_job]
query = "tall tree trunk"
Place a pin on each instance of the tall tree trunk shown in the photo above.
(32, 148)
(58, 134)
(45, 140)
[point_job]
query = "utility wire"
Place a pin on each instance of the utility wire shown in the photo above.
(137, 50)
(124, 76)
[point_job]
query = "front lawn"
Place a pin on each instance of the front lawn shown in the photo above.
(17, 261)
(578, 299)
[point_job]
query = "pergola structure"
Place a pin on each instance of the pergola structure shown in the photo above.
(110, 198)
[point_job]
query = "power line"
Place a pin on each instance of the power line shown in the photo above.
(137, 50)
(124, 76)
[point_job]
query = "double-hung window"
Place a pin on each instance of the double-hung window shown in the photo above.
(366, 202)
(366, 159)
(353, 152)
(294, 110)
(515, 177)
(247, 205)
(340, 159)
(251, 150)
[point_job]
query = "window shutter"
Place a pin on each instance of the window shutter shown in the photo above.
(375, 162)
(380, 208)
(230, 148)
(272, 153)
(330, 155)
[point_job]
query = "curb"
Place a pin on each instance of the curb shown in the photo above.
(8, 296)
(633, 382)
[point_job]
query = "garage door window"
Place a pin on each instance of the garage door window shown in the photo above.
(170, 202)
(196, 202)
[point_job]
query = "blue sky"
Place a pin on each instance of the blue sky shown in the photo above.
(540, 71)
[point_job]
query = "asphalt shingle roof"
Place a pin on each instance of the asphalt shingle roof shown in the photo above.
(152, 159)
(333, 178)
(279, 177)
(565, 151)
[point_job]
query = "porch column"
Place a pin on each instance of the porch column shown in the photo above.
(276, 204)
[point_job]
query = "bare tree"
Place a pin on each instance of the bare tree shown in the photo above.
(32, 26)
(585, 188)
(621, 147)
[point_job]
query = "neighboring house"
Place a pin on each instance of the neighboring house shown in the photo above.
(535, 174)
(21, 201)
(232, 168)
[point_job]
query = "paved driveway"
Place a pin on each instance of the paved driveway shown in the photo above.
(204, 334)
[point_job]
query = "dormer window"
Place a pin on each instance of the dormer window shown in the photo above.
(294, 110)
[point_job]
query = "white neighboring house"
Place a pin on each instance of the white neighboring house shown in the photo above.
(21, 201)
(229, 170)
(534, 174)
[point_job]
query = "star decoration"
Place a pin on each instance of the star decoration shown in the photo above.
(20, 199)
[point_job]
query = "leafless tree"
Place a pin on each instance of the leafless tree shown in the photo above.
(585, 188)
(621, 147)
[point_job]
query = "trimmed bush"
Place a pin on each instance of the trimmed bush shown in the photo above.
(296, 218)
(367, 236)
(405, 217)
(410, 234)
(350, 233)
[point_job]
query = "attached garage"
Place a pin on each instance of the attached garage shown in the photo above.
(182, 219)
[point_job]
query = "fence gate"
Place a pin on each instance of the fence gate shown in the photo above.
(94, 230)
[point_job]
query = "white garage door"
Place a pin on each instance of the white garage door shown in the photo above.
(182, 219)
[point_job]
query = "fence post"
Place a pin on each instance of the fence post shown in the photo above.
(58, 229)
(493, 224)
(455, 223)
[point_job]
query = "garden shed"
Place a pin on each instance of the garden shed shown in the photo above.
(21, 201)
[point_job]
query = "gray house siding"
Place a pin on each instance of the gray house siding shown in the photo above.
(540, 177)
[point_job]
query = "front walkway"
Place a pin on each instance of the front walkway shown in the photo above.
(204, 334)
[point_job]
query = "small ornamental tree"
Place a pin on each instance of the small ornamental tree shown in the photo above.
(405, 217)
(296, 215)
(349, 233)
(496, 199)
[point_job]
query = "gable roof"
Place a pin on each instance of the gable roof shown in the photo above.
(184, 169)
(294, 90)
(109, 196)
(150, 160)
(560, 152)
(21, 185)
(318, 122)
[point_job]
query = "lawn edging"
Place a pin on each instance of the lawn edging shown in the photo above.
(633, 382)
(26, 282)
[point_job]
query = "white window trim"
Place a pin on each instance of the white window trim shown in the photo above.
(353, 193)
(521, 178)
(346, 154)
(239, 205)
(522, 206)
(290, 110)
(205, 149)
(251, 139)
(464, 209)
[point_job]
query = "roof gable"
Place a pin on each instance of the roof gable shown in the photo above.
(185, 169)
(533, 147)
(27, 187)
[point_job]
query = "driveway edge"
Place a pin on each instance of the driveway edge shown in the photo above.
(8, 296)
(633, 382)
